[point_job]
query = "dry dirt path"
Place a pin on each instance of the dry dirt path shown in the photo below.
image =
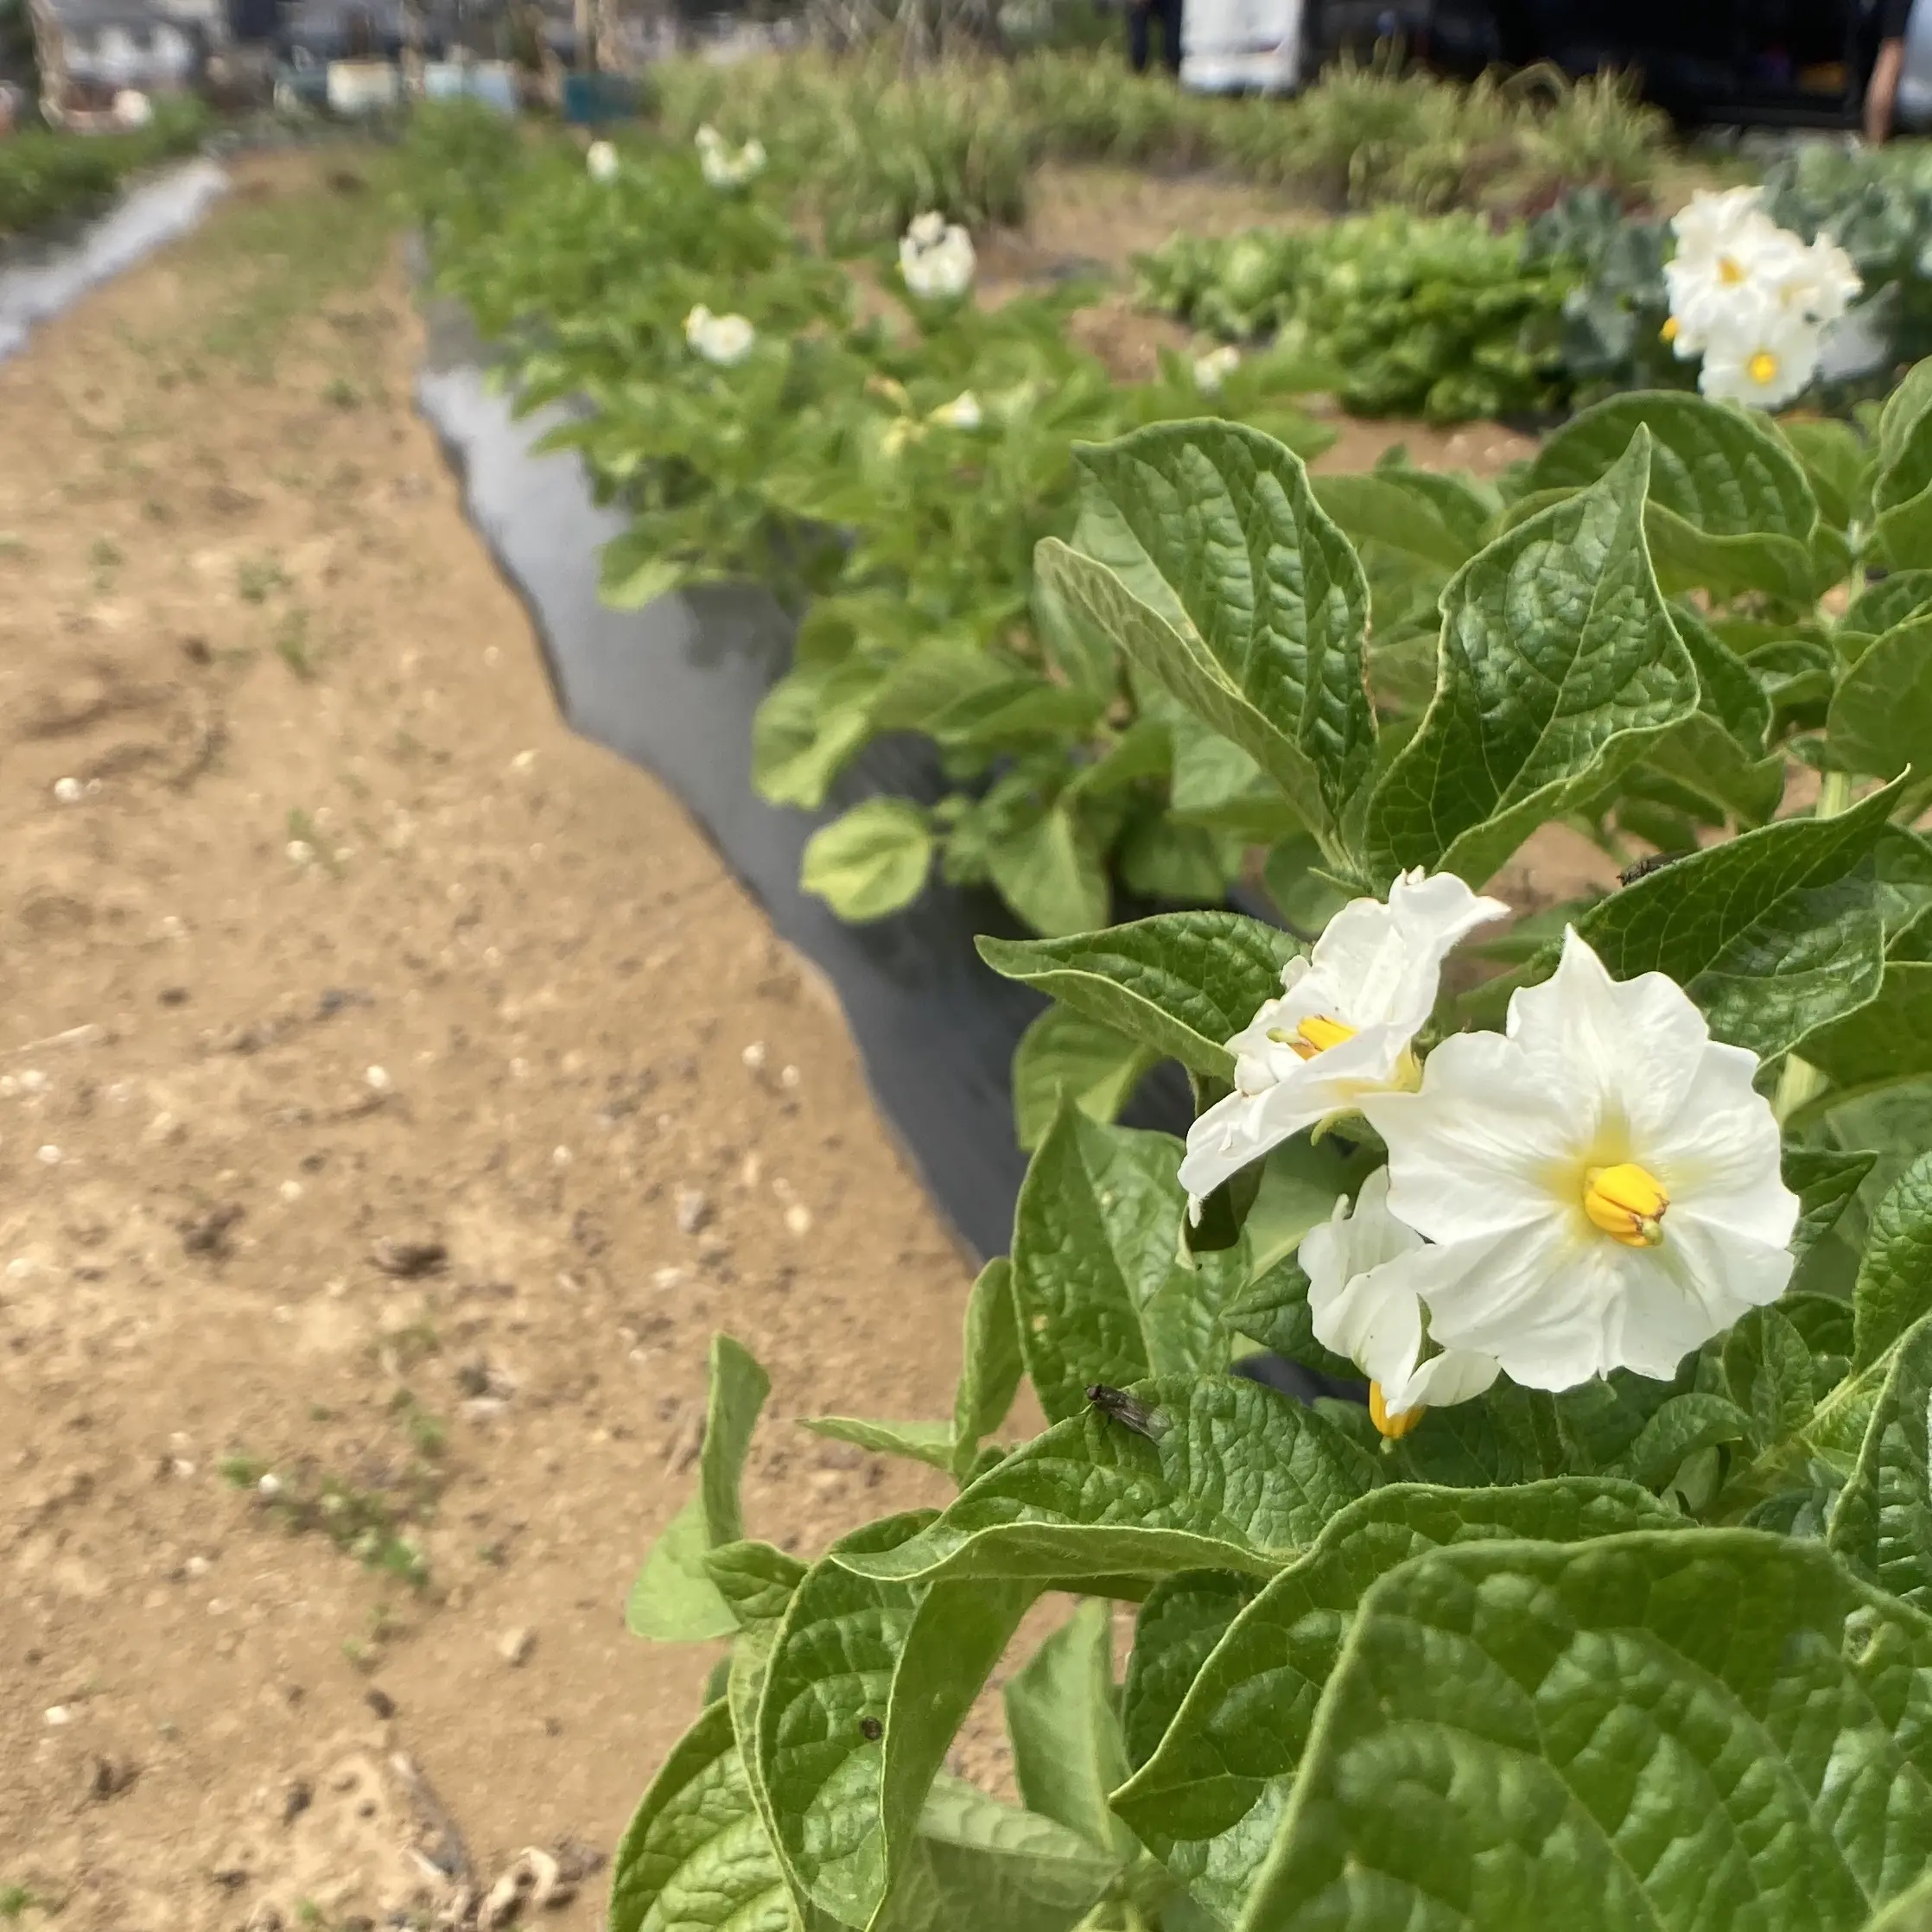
(317, 931)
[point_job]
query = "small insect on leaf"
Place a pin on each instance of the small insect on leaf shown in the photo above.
(1642, 869)
(871, 1729)
(1125, 1410)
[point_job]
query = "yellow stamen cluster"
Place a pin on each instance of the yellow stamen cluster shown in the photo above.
(1672, 329)
(1761, 368)
(1627, 1203)
(1314, 1035)
(1393, 1427)
(1731, 271)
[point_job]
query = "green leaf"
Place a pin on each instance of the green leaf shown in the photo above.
(871, 861)
(1886, 1040)
(1883, 605)
(1245, 1722)
(674, 1600)
(1880, 720)
(1728, 693)
(1559, 666)
(1894, 1286)
(1380, 506)
(1162, 860)
(627, 582)
(1301, 1181)
(989, 1373)
(1683, 1729)
(1772, 933)
(918, 1441)
(1183, 983)
(1180, 1623)
(807, 727)
(1730, 505)
(696, 1855)
(830, 1671)
(1067, 1750)
(1273, 1311)
(1050, 873)
(1064, 1051)
(1238, 1479)
(755, 1579)
(1767, 1370)
(1101, 1293)
(978, 1865)
(1217, 786)
(1902, 482)
(1826, 1181)
(1780, 1780)
(1207, 560)
(1679, 1429)
(1834, 458)
(1882, 1522)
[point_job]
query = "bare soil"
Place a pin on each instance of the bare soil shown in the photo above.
(345, 941)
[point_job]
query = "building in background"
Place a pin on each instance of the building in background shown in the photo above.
(88, 51)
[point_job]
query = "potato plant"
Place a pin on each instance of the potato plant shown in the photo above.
(1612, 1607)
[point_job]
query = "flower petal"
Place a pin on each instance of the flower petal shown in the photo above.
(1470, 1155)
(1456, 1375)
(1377, 1321)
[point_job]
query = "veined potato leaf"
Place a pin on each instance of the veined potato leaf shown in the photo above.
(1245, 1720)
(1894, 1287)
(1881, 714)
(674, 1600)
(1101, 1294)
(1376, 506)
(1235, 1477)
(1182, 1620)
(989, 1373)
(1886, 1040)
(1902, 481)
(1825, 1179)
(917, 1441)
(872, 862)
(1884, 606)
(1882, 1522)
(1066, 1051)
(1061, 1714)
(1730, 507)
(1772, 933)
(1050, 871)
(1784, 1779)
(1183, 983)
(1203, 552)
(696, 1854)
(1560, 665)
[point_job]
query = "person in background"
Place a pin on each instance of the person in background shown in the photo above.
(1881, 91)
(1140, 17)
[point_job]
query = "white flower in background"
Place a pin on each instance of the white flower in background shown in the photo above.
(600, 158)
(1751, 298)
(1214, 368)
(936, 259)
(132, 109)
(1343, 1025)
(723, 340)
(1601, 1182)
(1363, 1304)
(1764, 368)
(725, 167)
(963, 412)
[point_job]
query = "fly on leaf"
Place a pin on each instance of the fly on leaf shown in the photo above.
(1642, 869)
(1125, 1410)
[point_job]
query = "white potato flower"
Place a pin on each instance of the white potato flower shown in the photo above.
(1342, 1026)
(600, 159)
(936, 259)
(1363, 1304)
(1764, 367)
(1214, 368)
(963, 412)
(1600, 1183)
(723, 340)
(132, 108)
(725, 167)
(1753, 299)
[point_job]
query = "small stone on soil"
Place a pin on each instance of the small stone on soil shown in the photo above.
(515, 1646)
(694, 1209)
(408, 1259)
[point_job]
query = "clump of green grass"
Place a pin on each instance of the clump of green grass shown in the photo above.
(255, 577)
(293, 647)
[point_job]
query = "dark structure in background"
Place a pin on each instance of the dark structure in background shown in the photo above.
(1799, 63)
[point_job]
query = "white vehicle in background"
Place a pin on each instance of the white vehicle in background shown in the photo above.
(1240, 46)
